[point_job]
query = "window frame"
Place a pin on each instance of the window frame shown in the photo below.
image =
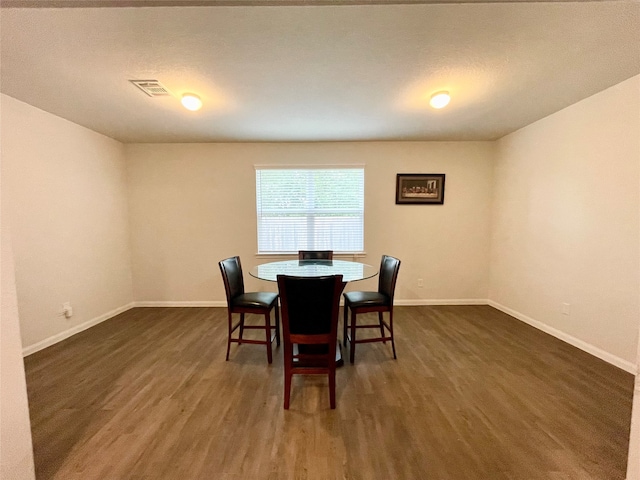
(309, 218)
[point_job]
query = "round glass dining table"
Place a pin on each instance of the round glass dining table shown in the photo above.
(350, 271)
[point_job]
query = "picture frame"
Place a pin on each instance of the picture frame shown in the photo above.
(420, 188)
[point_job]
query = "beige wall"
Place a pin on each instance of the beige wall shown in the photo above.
(16, 454)
(633, 465)
(566, 226)
(66, 194)
(554, 240)
(192, 205)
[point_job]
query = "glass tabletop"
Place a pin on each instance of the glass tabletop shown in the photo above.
(350, 271)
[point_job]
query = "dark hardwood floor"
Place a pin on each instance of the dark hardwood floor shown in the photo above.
(474, 394)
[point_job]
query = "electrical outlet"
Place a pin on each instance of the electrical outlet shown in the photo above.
(67, 309)
(420, 283)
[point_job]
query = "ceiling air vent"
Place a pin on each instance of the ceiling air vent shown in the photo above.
(153, 88)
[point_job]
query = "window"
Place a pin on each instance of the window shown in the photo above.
(319, 208)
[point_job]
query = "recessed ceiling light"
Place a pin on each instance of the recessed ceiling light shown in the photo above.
(191, 101)
(439, 99)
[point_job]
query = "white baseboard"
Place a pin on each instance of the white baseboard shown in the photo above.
(47, 342)
(223, 304)
(204, 303)
(448, 301)
(571, 340)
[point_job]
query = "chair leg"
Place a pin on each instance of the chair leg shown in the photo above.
(344, 325)
(229, 337)
(332, 388)
(277, 324)
(393, 343)
(267, 321)
(241, 328)
(352, 350)
(287, 387)
(381, 326)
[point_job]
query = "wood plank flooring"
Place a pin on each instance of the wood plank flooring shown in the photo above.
(474, 394)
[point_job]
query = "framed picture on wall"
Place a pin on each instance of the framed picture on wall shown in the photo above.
(420, 188)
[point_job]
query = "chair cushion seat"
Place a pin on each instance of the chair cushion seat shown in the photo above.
(366, 299)
(255, 299)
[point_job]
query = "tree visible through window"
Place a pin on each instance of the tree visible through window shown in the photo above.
(310, 209)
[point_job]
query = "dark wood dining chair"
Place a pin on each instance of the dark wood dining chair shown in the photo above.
(315, 254)
(310, 310)
(372, 302)
(241, 302)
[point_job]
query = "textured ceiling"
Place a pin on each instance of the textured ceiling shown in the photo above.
(274, 71)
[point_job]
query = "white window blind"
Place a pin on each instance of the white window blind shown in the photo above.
(310, 209)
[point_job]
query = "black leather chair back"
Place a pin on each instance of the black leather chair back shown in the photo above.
(389, 267)
(315, 255)
(232, 274)
(310, 304)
